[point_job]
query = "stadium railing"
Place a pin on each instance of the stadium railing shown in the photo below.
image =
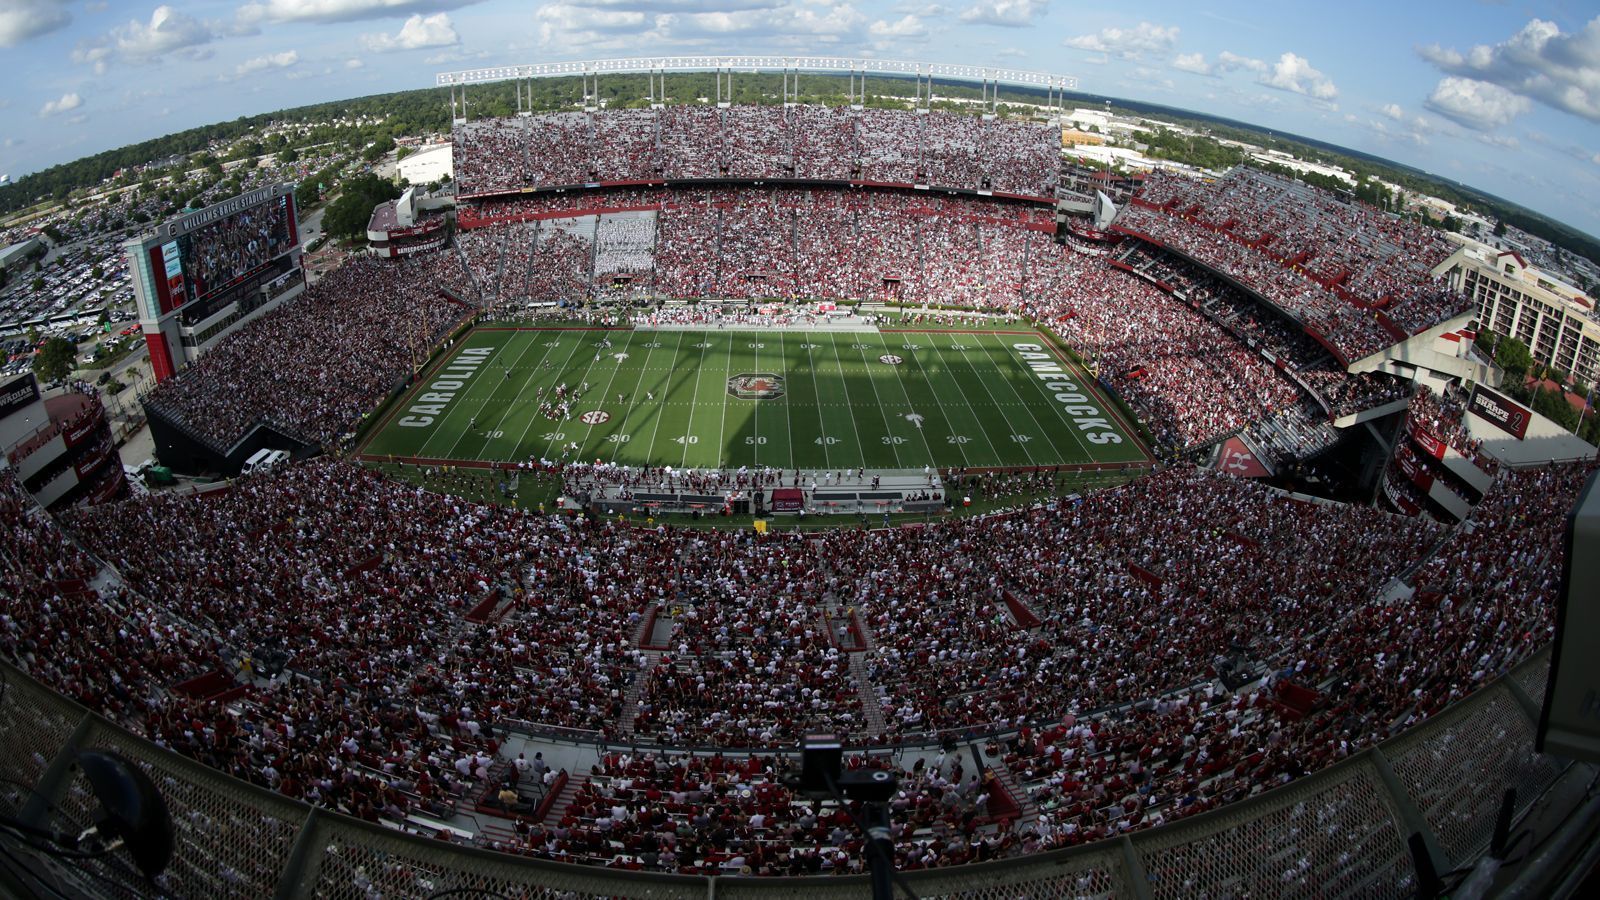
(1342, 831)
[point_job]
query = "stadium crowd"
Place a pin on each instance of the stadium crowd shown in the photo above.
(314, 366)
(417, 626)
(1359, 277)
(689, 142)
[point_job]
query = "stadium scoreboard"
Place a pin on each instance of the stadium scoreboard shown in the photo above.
(204, 273)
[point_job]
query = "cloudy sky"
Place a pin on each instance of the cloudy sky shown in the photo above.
(1500, 94)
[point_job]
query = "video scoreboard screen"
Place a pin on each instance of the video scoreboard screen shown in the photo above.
(221, 254)
(209, 251)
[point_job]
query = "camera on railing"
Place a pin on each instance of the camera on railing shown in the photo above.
(822, 775)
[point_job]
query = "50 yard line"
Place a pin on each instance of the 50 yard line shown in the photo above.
(783, 354)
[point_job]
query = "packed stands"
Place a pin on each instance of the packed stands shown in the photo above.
(1357, 278)
(315, 366)
(695, 142)
(394, 702)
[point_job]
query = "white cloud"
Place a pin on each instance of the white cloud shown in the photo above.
(340, 10)
(924, 10)
(1476, 104)
(1228, 61)
(630, 25)
(1128, 43)
(1192, 62)
(353, 63)
(1540, 63)
(24, 19)
(1296, 74)
(270, 61)
(67, 102)
(907, 27)
(169, 32)
(418, 32)
(1010, 13)
(1393, 111)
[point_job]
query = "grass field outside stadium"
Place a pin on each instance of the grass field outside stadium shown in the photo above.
(890, 400)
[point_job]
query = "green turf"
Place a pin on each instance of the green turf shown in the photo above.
(842, 406)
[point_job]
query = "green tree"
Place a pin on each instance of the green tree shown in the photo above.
(378, 149)
(1513, 356)
(54, 360)
(288, 155)
(1500, 228)
(97, 272)
(1553, 405)
(347, 216)
(38, 284)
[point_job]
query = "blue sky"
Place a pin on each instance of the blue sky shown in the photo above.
(1504, 96)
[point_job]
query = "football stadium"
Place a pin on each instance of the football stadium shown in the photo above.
(789, 500)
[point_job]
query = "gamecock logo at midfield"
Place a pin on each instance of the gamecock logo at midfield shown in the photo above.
(756, 386)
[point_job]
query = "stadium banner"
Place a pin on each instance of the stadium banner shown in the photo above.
(1508, 416)
(1429, 444)
(1238, 459)
(787, 500)
(18, 393)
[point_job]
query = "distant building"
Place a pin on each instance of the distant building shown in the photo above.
(428, 164)
(411, 224)
(58, 442)
(1071, 137)
(1556, 320)
(18, 253)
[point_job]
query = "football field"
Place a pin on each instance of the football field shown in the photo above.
(812, 400)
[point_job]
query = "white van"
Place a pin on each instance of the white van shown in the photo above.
(263, 460)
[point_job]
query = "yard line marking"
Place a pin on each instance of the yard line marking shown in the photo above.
(900, 380)
(861, 447)
(606, 391)
(693, 401)
(571, 354)
(466, 395)
(783, 354)
(898, 463)
(656, 431)
(521, 387)
(1011, 386)
(722, 427)
(983, 433)
(996, 403)
(961, 448)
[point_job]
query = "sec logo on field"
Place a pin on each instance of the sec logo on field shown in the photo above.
(595, 417)
(891, 359)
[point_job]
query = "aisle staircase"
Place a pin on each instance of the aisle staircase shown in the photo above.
(630, 700)
(575, 781)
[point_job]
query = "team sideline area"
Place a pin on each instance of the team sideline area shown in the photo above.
(796, 398)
